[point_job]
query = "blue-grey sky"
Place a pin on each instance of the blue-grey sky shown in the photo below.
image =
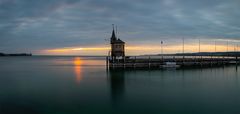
(35, 25)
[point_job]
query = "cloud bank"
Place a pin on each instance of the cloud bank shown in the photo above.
(33, 25)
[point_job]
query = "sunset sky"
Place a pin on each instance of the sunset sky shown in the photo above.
(83, 27)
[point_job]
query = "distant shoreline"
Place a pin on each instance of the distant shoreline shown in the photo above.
(15, 54)
(230, 53)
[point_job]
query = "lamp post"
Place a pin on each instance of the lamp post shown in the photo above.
(162, 49)
(108, 50)
(227, 46)
(199, 46)
(183, 47)
(215, 46)
(234, 47)
(237, 47)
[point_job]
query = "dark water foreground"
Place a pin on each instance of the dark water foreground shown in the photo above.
(81, 85)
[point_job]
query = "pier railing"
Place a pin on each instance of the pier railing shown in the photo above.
(161, 61)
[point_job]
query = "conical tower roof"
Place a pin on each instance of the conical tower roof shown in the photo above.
(113, 37)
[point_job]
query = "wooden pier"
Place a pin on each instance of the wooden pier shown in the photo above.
(116, 58)
(160, 62)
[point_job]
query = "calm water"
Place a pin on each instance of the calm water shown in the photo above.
(81, 85)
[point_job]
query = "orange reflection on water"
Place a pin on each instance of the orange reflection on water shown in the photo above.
(77, 68)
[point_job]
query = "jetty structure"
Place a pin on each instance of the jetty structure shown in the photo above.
(15, 54)
(116, 59)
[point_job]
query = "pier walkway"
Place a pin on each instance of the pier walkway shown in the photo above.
(171, 61)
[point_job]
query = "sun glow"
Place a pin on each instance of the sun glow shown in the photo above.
(77, 69)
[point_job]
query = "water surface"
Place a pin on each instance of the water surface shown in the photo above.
(82, 85)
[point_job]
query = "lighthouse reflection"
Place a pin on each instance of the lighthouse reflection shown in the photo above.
(117, 86)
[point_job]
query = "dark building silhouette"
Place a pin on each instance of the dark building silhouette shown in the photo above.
(117, 46)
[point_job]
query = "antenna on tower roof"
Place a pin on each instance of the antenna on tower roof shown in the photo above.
(116, 32)
(113, 26)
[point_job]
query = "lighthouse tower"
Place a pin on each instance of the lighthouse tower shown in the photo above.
(117, 46)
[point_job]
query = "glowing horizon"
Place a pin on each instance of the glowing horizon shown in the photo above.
(141, 49)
